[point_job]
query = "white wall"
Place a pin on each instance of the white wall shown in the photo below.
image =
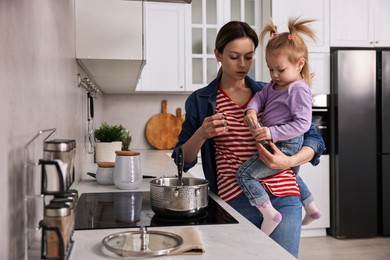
(38, 77)
(38, 91)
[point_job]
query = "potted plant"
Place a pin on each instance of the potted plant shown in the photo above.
(110, 138)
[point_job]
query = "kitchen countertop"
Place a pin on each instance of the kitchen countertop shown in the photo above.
(230, 241)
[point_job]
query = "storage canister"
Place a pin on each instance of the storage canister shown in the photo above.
(127, 171)
(64, 150)
(56, 217)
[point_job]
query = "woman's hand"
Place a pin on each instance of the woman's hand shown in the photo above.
(213, 126)
(276, 160)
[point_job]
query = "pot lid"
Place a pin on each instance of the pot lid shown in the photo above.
(142, 243)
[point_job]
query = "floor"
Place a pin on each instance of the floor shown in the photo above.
(330, 248)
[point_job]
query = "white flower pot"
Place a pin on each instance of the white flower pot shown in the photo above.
(105, 152)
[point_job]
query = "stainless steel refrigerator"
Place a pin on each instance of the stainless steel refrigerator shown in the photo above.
(360, 143)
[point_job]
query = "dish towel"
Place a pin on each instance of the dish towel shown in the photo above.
(192, 241)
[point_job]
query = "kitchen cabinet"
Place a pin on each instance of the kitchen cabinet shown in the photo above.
(317, 179)
(109, 42)
(180, 52)
(360, 23)
(206, 18)
(282, 10)
(319, 57)
(320, 65)
(165, 47)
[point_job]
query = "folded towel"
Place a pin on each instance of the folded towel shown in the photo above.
(192, 241)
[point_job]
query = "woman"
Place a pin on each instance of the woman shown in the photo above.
(215, 126)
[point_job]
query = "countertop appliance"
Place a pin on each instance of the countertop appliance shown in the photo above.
(360, 136)
(133, 209)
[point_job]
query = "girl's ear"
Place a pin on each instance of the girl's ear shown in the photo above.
(301, 63)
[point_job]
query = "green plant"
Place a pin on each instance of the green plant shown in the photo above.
(112, 133)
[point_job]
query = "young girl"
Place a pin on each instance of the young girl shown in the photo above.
(285, 104)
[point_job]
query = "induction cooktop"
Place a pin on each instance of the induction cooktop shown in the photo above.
(133, 209)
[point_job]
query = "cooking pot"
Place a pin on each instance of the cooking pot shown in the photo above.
(178, 196)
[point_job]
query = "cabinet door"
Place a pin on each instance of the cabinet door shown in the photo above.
(282, 10)
(317, 180)
(164, 47)
(320, 66)
(382, 22)
(105, 30)
(352, 23)
(206, 18)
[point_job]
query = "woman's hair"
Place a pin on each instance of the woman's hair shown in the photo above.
(231, 31)
(290, 43)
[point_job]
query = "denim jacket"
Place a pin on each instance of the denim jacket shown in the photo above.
(201, 104)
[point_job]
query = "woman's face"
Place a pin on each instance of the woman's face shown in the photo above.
(237, 58)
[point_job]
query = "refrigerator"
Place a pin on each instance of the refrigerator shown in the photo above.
(360, 143)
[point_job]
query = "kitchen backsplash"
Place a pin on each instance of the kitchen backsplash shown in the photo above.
(134, 111)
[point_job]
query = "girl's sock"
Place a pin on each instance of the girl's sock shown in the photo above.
(271, 217)
(312, 213)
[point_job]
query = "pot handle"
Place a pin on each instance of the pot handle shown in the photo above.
(180, 163)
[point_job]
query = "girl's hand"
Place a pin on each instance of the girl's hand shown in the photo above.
(276, 160)
(250, 119)
(213, 126)
(262, 134)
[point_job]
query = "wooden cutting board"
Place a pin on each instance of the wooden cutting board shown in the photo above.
(180, 115)
(163, 129)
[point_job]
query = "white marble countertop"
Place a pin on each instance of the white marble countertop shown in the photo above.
(229, 241)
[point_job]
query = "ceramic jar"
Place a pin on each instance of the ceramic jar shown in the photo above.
(105, 173)
(127, 170)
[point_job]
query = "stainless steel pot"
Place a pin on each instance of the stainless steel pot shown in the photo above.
(170, 198)
(179, 197)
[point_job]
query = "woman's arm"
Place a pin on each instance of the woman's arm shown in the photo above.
(312, 149)
(279, 160)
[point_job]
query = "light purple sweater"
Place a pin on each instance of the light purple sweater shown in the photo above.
(287, 113)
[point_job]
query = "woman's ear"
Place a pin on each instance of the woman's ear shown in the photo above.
(217, 55)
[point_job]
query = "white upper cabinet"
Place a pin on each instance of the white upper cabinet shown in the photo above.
(109, 42)
(320, 65)
(164, 47)
(205, 19)
(318, 10)
(319, 59)
(364, 25)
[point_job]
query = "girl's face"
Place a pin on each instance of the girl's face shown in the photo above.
(282, 71)
(237, 58)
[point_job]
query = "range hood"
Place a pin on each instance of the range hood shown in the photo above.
(110, 43)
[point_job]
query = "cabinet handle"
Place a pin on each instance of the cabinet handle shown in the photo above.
(371, 42)
(376, 41)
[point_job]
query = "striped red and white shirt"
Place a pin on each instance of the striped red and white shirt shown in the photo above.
(235, 147)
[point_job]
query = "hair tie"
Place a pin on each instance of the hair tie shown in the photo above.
(290, 36)
(273, 35)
